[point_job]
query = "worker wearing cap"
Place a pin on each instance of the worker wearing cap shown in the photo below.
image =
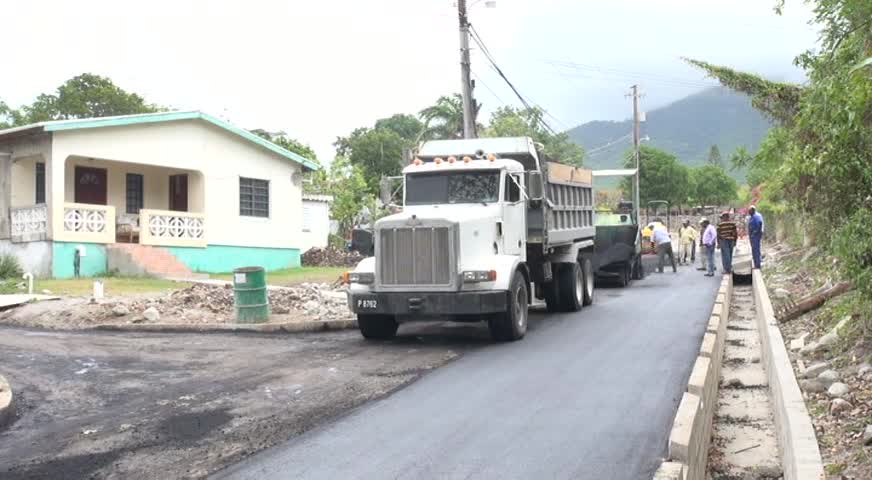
(687, 237)
(709, 240)
(660, 237)
(755, 234)
(728, 233)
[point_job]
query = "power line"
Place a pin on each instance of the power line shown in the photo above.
(478, 77)
(609, 144)
(477, 39)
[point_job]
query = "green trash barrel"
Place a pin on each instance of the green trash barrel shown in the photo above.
(250, 297)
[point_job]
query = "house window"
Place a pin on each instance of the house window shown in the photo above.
(307, 218)
(253, 197)
(40, 182)
(134, 193)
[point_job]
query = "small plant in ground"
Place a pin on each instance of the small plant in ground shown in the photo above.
(9, 267)
(835, 468)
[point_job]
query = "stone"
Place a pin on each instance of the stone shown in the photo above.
(828, 377)
(867, 435)
(812, 386)
(46, 292)
(151, 314)
(842, 324)
(864, 370)
(839, 405)
(838, 390)
(311, 306)
(782, 293)
(796, 344)
(809, 348)
(828, 339)
(815, 369)
(120, 310)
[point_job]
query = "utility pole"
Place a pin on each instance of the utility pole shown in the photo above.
(465, 73)
(636, 154)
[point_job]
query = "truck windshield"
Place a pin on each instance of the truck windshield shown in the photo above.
(454, 187)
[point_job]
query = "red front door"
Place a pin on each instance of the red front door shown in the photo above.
(90, 185)
(179, 192)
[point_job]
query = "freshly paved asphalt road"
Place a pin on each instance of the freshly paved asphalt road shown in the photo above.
(588, 395)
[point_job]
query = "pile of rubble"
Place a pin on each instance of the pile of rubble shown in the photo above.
(330, 257)
(214, 304)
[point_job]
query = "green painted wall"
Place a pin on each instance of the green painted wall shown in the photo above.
(92, 264)
(224, 258)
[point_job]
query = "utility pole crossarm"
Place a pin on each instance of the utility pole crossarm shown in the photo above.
(465, 73)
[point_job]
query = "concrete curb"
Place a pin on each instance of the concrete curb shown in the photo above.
(287, 327)
(7, 405)
(800, 454)
(691, 432)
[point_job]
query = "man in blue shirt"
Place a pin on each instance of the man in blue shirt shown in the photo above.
(755, 233)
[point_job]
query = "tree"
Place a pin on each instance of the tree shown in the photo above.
(283, 140)
(528, 122)
(444, 120)
(83, 96)
(406, 126)
(714, 157)
(712, 186)
(348, 186)
(377, 151)
(661, 177)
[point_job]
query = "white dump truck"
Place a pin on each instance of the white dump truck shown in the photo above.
(486, 225)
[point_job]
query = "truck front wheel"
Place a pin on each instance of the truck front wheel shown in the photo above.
(377, 327)
(511, 325)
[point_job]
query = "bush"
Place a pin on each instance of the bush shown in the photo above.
(9, 267)
(853, 245)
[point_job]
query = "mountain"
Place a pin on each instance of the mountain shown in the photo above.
(686, 128)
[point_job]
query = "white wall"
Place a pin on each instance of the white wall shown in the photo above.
(24, 181)
(318, 223)
(221, 156)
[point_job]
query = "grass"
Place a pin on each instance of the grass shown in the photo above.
(296, 276)
(111, 285)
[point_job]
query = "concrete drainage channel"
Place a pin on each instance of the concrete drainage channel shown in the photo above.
(7, 406)
(756, 424)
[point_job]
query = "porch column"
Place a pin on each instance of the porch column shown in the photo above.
(5, 192)
(54, 194)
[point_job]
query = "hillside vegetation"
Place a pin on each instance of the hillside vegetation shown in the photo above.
(686, 128)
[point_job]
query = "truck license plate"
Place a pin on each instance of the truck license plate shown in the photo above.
(367, 303)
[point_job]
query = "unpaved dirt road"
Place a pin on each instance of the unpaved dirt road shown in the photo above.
(130, 406)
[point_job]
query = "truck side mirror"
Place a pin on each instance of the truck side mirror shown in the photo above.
(534, 186)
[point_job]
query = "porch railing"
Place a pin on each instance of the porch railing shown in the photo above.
(88, 223)
(172, 229)
(30, 223)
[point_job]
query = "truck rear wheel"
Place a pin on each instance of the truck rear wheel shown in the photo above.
(572, 287)
(377, 327)
(511, 325)
(587, 271)
(552, 289)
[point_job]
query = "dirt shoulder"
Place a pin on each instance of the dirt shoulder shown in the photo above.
(126, 406)
(195, 304)
(830, 349)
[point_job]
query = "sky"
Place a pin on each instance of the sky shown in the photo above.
(319, 69)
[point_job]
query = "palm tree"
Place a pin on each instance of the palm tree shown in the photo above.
(444, 120)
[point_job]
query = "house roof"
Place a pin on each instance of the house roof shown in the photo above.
(82, 123)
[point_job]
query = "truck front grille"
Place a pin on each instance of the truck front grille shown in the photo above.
(414, 256)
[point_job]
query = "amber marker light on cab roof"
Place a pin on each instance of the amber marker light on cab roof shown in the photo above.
(466, 159)
(491, 157)
(418, 161)
(451, 159)
(438, 161)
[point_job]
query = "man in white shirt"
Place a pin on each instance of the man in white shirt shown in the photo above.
(660, 237)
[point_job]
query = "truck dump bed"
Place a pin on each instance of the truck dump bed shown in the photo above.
(567, 213)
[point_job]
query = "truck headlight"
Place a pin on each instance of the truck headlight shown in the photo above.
(475, 276)
(359, 277)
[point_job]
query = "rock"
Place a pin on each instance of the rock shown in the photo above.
(828, 377)
(280, 310)
(842, 323)
(867, 435)
(151, 314)
(311, 306)
(812, 386)
(838, 390)
(120, 310)
(839, 405)
(46, 292)
(828, 339)
(137, 319)
(782, 293)
(809, 348)
(864, 370)
(797, 343)
(815, 369)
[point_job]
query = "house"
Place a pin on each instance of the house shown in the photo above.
(167, 193)
(316, 221)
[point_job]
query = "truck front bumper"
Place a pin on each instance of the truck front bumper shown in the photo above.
(421, 303)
